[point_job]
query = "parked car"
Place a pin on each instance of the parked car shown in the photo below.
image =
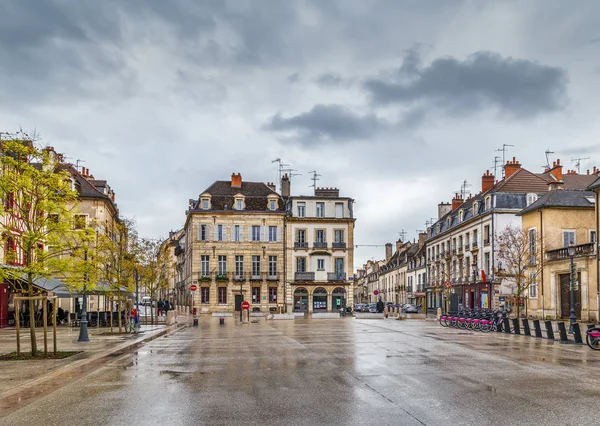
(410, 308)
(373, 308)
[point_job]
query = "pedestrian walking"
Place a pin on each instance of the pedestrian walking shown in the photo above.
(380, 306)
(161, 306)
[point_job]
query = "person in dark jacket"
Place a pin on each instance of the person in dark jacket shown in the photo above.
(380, 306)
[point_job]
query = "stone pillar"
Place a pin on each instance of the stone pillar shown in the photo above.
(310, 303)
(264, 296)
(329, 307)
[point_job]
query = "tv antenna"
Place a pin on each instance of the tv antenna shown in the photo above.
(577, 162)
(464, 189)
(77, 164)
(503, 150)
(314, 178)
(280, 169)
(548, 152)
(496, 162)
(402, 234)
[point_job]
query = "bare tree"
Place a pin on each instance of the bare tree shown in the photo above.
(153, 273)
(519, 260)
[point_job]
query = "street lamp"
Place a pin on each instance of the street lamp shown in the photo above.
(572, 316)
(83, 330)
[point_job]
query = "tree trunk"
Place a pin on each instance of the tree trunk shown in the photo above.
(31, 315)
(119, 306)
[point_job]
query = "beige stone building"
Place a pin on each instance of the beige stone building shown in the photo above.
(169, 250)
(320, 250)
(233, 249)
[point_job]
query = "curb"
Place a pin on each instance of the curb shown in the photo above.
(110, 354)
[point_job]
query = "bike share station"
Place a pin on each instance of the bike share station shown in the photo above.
(193, 289)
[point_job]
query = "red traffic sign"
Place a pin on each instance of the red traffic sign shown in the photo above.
(245, 305)
(448, 284)
(193, 287)
(375, 292)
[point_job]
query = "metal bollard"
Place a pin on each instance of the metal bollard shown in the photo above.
(516, 328)
(549, 331)
(506, 325)
(577, 333)
(526, 329)
(562, 331)
(538, 328)
(221, 321)
(195, 321)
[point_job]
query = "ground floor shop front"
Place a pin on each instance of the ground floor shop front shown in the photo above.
(462, 296)
(223, 297)
(321, 298)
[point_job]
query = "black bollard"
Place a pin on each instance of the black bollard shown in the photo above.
(516, 328)
(221, 321)
(549, 331)
(577, 333)
(526, 329)
(538, 328)
(563, 332)
(506, 325)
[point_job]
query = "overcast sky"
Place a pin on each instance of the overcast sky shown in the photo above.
(394, 102)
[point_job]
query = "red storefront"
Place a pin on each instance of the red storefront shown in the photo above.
(477, 295)
(4, 305)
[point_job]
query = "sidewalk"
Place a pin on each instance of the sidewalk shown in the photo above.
(16, 376)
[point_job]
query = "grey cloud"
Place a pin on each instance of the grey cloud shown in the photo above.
(328, 122)
(515, 86)
(580, 150)
(293, 78)
(329, 79)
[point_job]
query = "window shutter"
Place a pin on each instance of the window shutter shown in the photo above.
(216, 233)
(279, 234)
(565, 239)
(241, 232)
(199, 232)
(233, 233)
(263, 236)
(249, 232)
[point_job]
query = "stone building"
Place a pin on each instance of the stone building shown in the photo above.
(320, 250)
(233, 249)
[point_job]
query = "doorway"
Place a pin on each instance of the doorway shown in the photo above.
(238, 302)
(301, 300)
(320, 300)
(565, 296)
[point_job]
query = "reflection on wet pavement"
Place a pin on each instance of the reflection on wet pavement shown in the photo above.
(345, 371)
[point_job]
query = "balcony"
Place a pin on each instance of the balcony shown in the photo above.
(474, 246)
(320, 245)
(255, 276)
(448, 254)
(563, 253)
(203, 277)
(272, 276)
(467, 247)
(300, 245)
(238, 277)
(336, 276)
(486, 242)
(339, 245)
(222, 277)
(304, 276)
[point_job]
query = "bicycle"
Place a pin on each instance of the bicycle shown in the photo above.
(592, 338)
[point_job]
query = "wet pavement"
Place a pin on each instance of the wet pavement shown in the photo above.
(341, 371)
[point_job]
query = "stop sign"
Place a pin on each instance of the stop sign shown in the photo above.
(245, 305)
(193, 287)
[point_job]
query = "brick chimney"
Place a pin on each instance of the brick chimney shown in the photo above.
(271, 186)
(487, 181)
(388, 251)
(285, 186)
(456, 201)
(511, 168)
(422, 236)
(236, 180)
(556, 170)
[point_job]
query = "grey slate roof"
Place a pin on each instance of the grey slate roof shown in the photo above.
(594, 185)
(255, 193)
(561, 199)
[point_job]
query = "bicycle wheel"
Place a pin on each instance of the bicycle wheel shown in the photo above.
(592, 338)
(485, 328)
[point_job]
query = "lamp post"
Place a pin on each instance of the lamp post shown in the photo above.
(572, 316)
(83, 330)
(137, 302)
(474, 268)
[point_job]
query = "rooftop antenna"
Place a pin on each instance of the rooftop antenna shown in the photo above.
(578, 163)
(548, 152)
(496, 162)
(280, 170)
(464, 189)
(503, 150)
(402, 234)
(77, 164)
(314, 178)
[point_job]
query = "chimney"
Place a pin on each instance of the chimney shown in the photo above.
(487, 181)
(511, 168)
(443, 209)
(285, 186)
(271, 186)
(422, 236)
(327, 192)
(456, 201)
(398, 245)
(388, 251)
(556, 170)
(236, 180)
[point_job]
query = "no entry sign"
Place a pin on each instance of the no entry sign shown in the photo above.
(193, 287)
(245, 305)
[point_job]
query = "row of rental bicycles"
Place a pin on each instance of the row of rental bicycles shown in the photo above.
(486, 320)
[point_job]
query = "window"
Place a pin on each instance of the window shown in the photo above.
(300, 264)
(320, 209)
(320, 264)
(486, 260)
(203, 233)
(301, 236)
(272, 266)
(255, 294)
(320, 236)
(475, 208)
(80, 221)
(532, 285)
(273, 205)
(220, 233)
(272, 233)
(239, 203)
(222, 295)
(531, 198)
(338, 235)
(239, 266)
(255, 233)
(9, 201)
(205, 204)
(593, 236)
(486, 234)
(204, 265)
(222, 265)
(475, 238)
(237, 233)
(568, 237)
(255, 266)
(531, 243)
(272, 294)
(467, 239)
(204, 295)
(339, 210)
(301, 209)
(488, 203)
(460, 216)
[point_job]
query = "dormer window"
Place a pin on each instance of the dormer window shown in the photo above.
(205, 203)
(488, 202)
(448, 222)
(531, 198)
(460, 216)
(239, 203)
(475, 208)
(272, 205)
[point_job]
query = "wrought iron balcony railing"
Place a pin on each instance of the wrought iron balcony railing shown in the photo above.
(304, 276)
(300, 244)
(563, 253)
(339, 245)
(336, 276)
(320, 245)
